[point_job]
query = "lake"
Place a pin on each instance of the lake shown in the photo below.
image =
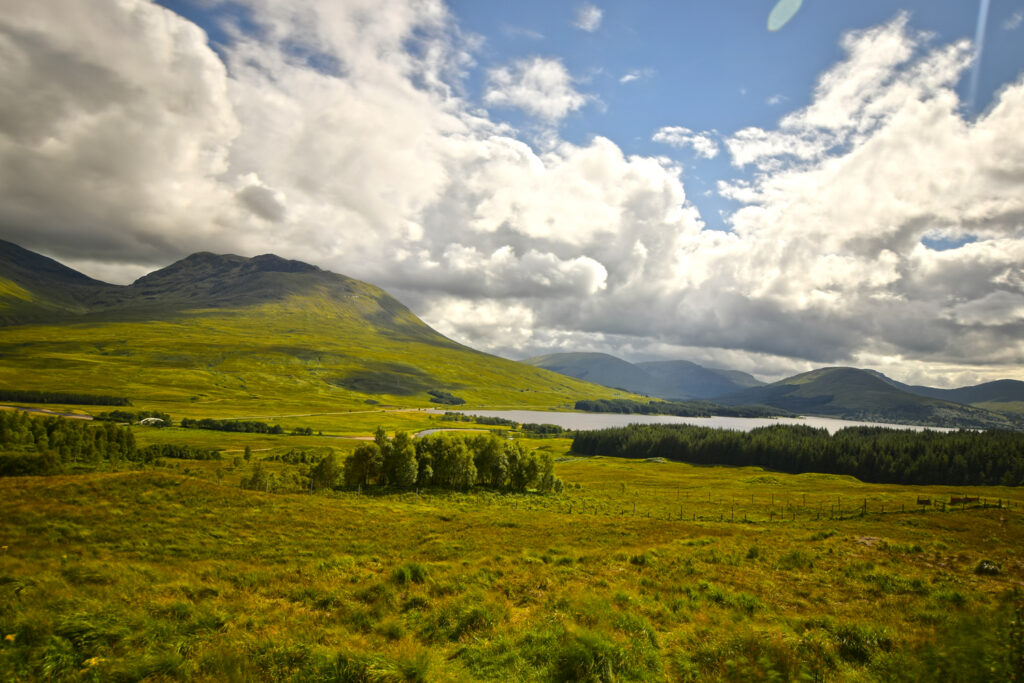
(590, 421)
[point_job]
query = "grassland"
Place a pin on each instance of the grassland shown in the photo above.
(303, 354)
(638, 571)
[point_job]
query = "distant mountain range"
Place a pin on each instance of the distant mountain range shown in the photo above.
(674, 379)
(224, 333)
(838, 392)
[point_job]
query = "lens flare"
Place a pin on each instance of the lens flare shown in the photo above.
(979, 46)
(782, 13)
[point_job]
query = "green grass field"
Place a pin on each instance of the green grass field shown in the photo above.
(638, 571)
(299, 356)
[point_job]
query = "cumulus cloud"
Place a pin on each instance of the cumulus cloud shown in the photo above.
(677, 136)
(540, 87)
(111, 145)
(850, 186)
(342, 134)
(588, 18)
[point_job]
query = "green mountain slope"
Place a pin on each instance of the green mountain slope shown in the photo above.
(35, 288)
(863, 395)
(227, 335)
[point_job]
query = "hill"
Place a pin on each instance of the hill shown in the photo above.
(699, 381)
(1005, 395)
(223, 335)
(34, 287)
(863, 395)
(663, 379)
(604, 369)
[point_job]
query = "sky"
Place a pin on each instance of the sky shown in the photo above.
(750, 184)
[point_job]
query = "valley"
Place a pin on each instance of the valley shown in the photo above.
(135, 552)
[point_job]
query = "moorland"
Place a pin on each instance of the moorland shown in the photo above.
(218, 549)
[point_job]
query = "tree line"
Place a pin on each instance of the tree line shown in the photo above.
(65, 397)
(177, 451)
(45, 445)
(133, 417)
(247, 426)
(448, 461)
(31, 445)
(874, 454)
(676, 408)
(528, 427)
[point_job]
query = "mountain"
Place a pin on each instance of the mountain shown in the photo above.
(698, 381)
(601, 368)
(664, 379)
(1003, 394)
(34, 287)
(863, 395)
(230, 335)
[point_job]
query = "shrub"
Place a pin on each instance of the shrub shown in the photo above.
(987, 568)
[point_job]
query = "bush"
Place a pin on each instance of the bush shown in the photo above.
(445, 398)
(987, 568)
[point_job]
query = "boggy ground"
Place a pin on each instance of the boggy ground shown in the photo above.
(639, 571)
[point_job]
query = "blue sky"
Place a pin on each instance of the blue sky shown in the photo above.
(711, 65)
(650, 179)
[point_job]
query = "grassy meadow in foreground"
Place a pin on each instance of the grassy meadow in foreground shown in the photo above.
(638, 571)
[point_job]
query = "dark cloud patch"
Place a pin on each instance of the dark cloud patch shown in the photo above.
(262, 202)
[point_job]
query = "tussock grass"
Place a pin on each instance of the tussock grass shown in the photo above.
(157, 575)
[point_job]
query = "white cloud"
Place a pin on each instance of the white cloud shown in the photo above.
(636, 74)
(677, 136)
(126, 141)
(1014, 21)
(540, 87)
(588, 18)
(850, 185)
(91, 125)
(857, 96)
